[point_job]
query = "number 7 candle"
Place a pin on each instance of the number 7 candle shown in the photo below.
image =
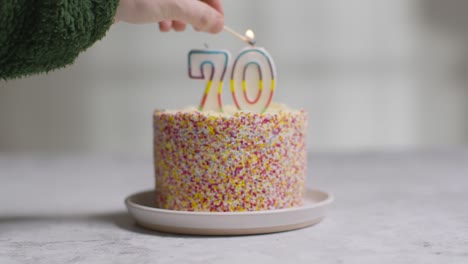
(211, 66)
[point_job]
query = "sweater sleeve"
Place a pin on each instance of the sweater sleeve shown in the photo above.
(39, 36)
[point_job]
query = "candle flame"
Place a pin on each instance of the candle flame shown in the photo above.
(250, 34)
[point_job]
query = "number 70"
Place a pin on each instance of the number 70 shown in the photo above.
(252, 65)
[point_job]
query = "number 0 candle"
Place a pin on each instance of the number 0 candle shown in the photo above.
(253, 80)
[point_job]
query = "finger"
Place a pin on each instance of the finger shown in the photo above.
(198, 13)
(179, 25)
(216, 4)
(165, 25)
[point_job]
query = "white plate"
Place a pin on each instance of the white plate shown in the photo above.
(141, 207)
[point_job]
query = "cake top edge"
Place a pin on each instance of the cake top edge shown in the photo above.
(230, 110)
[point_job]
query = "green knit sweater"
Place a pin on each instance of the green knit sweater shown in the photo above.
(42, 35)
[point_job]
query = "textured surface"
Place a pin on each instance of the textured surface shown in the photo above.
(239, 162)
(40, 36)
(389, 208)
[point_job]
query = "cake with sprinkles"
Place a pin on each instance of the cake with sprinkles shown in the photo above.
(230, 161)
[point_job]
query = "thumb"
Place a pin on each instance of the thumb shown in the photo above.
(202, 16)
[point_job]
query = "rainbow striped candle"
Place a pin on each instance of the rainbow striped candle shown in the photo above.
(211, 66)
(253, 80)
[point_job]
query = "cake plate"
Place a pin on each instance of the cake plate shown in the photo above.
(141, 206)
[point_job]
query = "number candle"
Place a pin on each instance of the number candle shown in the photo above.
(210, 65)
(253, 74)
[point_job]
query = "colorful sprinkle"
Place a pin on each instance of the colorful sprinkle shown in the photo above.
(239, 162)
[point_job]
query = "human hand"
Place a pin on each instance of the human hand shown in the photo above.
(203, 15)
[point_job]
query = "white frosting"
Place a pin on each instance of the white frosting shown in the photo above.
(230, 110)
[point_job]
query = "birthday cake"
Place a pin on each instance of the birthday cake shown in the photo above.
(231, 160)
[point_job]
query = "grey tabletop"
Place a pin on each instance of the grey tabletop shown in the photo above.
(389, 208)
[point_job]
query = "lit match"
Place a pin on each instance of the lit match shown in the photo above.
(249, 36)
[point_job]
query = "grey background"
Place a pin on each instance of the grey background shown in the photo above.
(373, 75)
